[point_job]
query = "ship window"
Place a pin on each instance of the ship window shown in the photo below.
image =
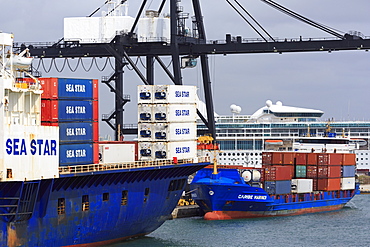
(85, 203)
(146, 194)
(61, 206)
(124, 198)
(9, 173)
(105, 197)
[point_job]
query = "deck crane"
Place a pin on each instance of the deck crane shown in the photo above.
(126, 45)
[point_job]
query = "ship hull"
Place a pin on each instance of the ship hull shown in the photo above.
(224, 196)
(97, 209)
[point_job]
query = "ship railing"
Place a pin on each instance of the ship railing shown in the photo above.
(129, 165)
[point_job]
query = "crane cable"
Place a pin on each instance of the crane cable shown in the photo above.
(304, 19)
(245, 19)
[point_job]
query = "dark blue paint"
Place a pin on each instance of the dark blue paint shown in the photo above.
(75, 132)
(69, 110)
(75, 154)
(69, 88)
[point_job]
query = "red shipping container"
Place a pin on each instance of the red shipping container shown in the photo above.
(95, 89)
(311, 159)
(328, 184)
(266, 158)
(49, 110)
(322, 159)
(301, 159)
(95, 110)
(95, 131)
(50, 88)
(311, 171)
(277, 158)
(49, 123)
(349, 159)
(329, 171)
(96, 153)
(314, 184)
(277, 173)
(288, 158)
(334, 159)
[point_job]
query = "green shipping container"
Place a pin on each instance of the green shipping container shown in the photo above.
(300, 171)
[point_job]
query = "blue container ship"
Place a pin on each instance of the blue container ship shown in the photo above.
(55, 190)
(280, 187)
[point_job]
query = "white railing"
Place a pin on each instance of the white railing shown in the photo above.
(128, 165)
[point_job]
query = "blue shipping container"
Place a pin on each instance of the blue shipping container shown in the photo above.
(348, 171)
(75, 132)
(69, 88)
(75, 154)
(75, 110)
(278, 187)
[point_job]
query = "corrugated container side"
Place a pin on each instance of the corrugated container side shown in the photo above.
(311, 171)
(174, 94)
(328, 171)
(278, 187)
(322, 159)
(75, 110)
(348, 171)
(175, 113)
(71, 88)
(76, 154)
(349, 159)
(302, 185)
(301, 158)
(328, 184)
(76, 132)
(300, 171)
(335, 159)
(95, 89)
(277, 158)
(180, 150)
(266, 158)
(50, 88)
(276, 172)
(311, 159)
(95, 110)
(117, 153)
(49, 110)
(95, 131)
(175, 131)
(348, 183)
(288, 158)
(135, 143)
(96, 155)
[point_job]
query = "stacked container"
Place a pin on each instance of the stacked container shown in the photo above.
(72, 104)
(278, 172)
(167, 122)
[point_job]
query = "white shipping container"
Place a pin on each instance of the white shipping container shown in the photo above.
(174, 113)
(145, 132)
(145, 113)
(175, 131)
(116, 153)
(180, 150)
(302, 185)
(145, 150)
(175, 94)
(29, 152)
(348, 183)
(145, 94)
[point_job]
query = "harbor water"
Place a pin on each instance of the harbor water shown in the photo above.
(347, 227)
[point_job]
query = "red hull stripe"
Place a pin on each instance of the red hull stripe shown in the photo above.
(228, 215)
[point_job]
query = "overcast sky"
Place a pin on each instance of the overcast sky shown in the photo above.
(337, 83)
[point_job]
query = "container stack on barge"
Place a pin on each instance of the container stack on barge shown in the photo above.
(50, 197)
(289, 183)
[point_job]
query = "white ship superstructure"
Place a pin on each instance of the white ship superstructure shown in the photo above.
(29, 151)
